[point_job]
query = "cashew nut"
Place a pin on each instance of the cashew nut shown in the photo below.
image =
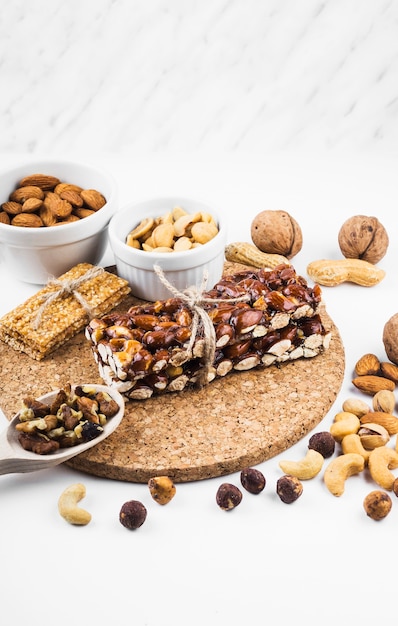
(67, 505)
(344, 424)
(381, 461)
(353, 443)
(305, 469)
(341, 468)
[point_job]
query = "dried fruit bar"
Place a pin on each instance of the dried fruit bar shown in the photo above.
(61, 309)
(249, 319)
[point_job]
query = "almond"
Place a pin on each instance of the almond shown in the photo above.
(47, 216)
(93, 199)
(371, 384)
(54, 203)
(72, 196)
(4, 218)
(61, 187)
(29, 220)
(82, 213)
(389, 422)
(12, 208)
(23, 193)
(40, 180)
(368, 364)
(31, 205)
(389, 370)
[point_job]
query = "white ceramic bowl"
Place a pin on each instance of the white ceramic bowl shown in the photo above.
(35, 255)
(182, 269)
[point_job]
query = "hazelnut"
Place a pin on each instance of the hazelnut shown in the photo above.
(228, 496)
(323, 442)
(377, 504)
(362, 237)
(395, 487)
(276, 232)
(162, 489)
(252, 480)
(390, 338)
(289, 488)
(132, 514)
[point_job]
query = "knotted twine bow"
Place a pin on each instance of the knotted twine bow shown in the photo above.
(66, 287)
(195, 299)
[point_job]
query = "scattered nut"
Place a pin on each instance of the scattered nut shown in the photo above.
(353, 443)
(389, 370)
(252, 480)
(323, 442)
(162, 489)
(67, 505)
(356, 406)
(248, 254)
(362, 237)
(390, 338)
(381, 461)
(373, 436)
(132, 514)
(289, 488)
(386, 420)
(377, 504)
(339, 469)
(395, 487)
(344, 424)
(228, 496)
(277, 232)
(368, 364)
(372, 384)
(306, 468)
(384, 401)
(332, 272)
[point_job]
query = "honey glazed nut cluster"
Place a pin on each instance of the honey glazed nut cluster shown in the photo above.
(174, 231)
(258, 318)
(43, 200)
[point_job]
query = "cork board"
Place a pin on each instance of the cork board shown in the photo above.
(237, 421)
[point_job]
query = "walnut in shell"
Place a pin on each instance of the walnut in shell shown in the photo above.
(276, 232)
(390, 338)
(362, 237)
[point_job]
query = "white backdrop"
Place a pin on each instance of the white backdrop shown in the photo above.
(247, 105)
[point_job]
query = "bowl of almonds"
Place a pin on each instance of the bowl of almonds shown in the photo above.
(168, 245)
(54, 215)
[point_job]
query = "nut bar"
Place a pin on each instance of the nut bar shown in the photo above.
(61, 310)
(259, 318)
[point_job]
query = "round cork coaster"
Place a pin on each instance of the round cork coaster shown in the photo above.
(234, 422)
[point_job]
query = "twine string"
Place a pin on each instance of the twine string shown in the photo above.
(66, 287)
(195, 298)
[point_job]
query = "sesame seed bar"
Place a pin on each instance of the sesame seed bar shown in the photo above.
(46, 320)
(259, 318)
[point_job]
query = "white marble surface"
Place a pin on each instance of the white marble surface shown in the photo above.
(247, 105)
(256, 75)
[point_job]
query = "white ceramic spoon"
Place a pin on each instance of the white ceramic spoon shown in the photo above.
(15, 460)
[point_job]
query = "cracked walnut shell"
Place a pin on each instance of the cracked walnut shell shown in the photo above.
(276, 232)
(362, 237)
